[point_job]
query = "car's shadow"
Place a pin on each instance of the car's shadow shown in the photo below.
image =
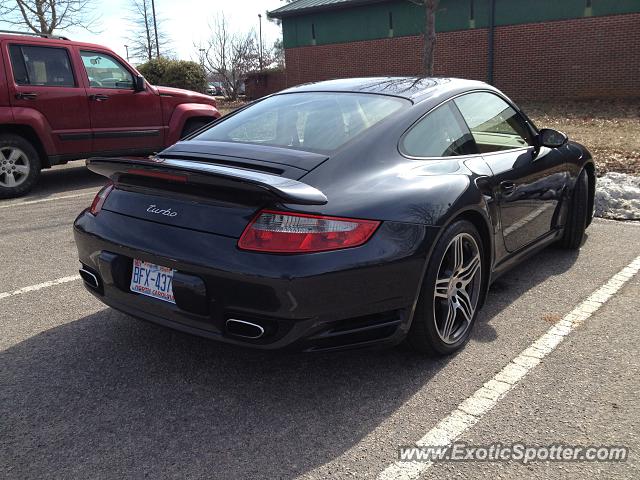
(506, 289)
(65, 179)
(107, 396)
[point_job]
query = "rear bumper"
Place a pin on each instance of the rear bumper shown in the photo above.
(331, 300)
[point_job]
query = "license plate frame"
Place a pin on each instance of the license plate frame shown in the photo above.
(152, 280)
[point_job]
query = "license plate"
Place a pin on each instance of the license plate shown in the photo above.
(152, 280)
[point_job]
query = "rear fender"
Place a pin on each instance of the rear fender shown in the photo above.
(6, 115)
(32, 119)
(182, 113)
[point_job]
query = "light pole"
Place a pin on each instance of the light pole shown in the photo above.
(127, 48)
(155, 27)
(260, 20)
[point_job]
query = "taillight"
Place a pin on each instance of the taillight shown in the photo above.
(285, 232)
(161, 175)
(100, 198)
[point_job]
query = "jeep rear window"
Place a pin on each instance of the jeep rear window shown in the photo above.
(314, 121)
(41, 66)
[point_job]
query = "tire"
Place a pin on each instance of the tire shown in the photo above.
(578, 215)
(443, 292)
(193, 125)
(19, 165)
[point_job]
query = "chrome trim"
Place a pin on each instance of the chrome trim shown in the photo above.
(95, 279)
(246, 323)
(470, 155)
(497, 93)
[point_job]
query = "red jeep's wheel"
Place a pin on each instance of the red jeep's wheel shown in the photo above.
(19, 165)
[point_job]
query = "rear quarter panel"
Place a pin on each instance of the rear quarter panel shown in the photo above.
(34, 119)
(369, 178)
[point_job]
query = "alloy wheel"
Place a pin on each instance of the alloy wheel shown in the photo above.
(457, 288)
(14, 167)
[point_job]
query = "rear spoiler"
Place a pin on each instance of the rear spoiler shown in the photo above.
(290, 191)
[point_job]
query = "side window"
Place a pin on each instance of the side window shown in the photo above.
(442, 133)
(41, 66)
(104, 71)
(494, 124)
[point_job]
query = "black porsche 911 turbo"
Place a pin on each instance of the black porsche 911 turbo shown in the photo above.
(339, 214)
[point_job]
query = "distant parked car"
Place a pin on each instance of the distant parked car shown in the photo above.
(62, 100)
(216, 89)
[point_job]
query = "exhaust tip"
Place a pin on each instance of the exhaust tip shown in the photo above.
(244, 329)
(89, 278)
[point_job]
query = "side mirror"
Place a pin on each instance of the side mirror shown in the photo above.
(548, 137)
(138, 83)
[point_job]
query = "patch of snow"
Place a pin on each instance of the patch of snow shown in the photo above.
(618, 196)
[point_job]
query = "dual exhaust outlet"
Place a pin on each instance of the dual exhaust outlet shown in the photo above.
(89, 278)
(244, 329)
(235, 327)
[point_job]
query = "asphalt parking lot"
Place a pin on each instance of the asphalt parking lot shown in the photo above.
(86, 392)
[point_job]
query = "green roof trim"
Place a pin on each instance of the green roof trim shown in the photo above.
(325, 22)
(302, 7)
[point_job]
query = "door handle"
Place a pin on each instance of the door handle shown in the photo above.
(26, 95)
(507, 187)
(98, 97)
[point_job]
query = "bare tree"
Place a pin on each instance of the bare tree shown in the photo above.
(277, 21)
(230, 56)
(430, 7)
(277, 54)
(143, 38)
(277, 50)
(45, 16)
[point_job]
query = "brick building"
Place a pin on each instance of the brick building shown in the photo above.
(531, 49)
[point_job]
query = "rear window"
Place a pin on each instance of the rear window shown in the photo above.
(315, 121)
(41, 66)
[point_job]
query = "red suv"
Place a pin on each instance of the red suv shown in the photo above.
(62, 100)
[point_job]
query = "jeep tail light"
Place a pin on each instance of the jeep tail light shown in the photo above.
(100, 198)
(286, 232)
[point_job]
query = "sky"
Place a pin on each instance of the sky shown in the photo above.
(185, 22)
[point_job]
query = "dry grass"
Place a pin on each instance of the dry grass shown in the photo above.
(551, 317)
(226, 106)
(609, 129)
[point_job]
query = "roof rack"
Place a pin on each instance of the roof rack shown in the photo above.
(33, 34)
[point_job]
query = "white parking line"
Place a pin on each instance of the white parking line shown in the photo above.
(50, 199)
(40, 286)
(471, 410)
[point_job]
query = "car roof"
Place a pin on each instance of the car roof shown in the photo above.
(51, 41)
(415, 89)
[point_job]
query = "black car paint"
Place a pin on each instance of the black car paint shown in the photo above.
(306, 292)
(346, 298)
